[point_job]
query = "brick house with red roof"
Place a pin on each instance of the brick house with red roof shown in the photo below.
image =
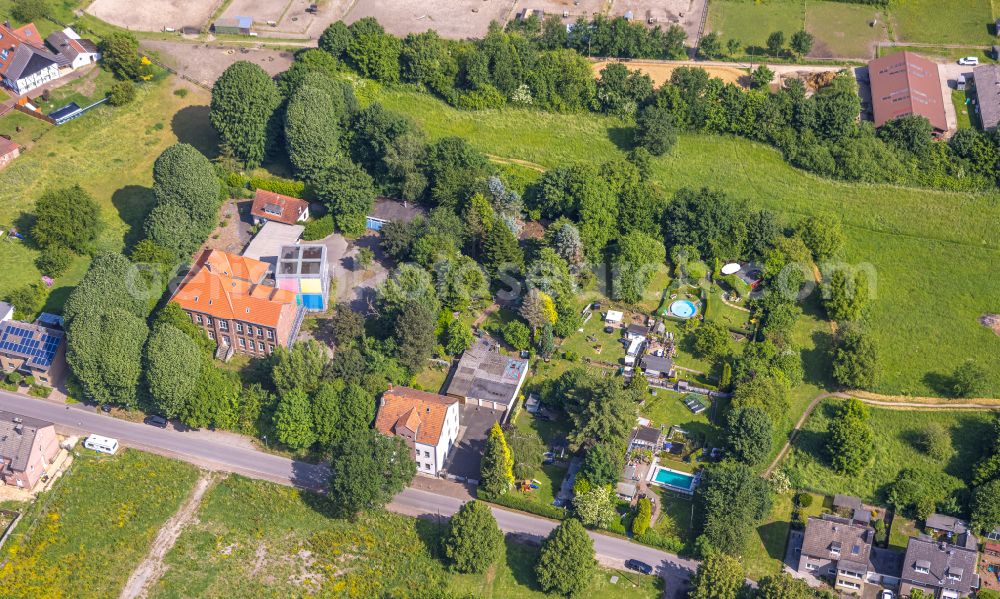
(25, 62)
(428, 422)
(268, 205)
(224, 294)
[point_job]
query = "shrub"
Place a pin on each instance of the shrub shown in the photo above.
(181, 92)
(121, 93)
(318, 228)
(6, 386)
(517, 501)
(641, 523)
(287, 187)
(54, 260)
(40, 391)
(29, 380)
(15, 378)
(804, 500)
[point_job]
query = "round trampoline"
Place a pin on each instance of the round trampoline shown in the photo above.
(683, 309)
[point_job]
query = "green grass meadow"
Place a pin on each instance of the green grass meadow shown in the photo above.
(936, 22)
(84, 537)
(930, 250)
(895, 433)
(109, 152)
(257, 539)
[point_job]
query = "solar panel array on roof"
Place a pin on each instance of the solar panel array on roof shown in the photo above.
(40, 351)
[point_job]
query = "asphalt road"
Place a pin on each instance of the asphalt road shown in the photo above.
(213, 454)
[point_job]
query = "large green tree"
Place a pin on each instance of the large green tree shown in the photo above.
(415, 338)
(104, 349)
(855, 359)
(120, 55)
(67, 217)
(299, 366)
(244, 100)
(566, 563)
(718, 577)
(750, 434)
(986, 507)
(638, 258)
(497, 466)
(348, 192)
(312, 132)
(170, 355)
(453, 167)
(368, 469)
(474, 542)
(851, 438)
(374, 52)
(293, 420)
(187, 193)
(733, 501)
(783, 586)
(112, 281)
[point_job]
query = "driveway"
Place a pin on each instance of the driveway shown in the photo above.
(354, 287)
(467, 454)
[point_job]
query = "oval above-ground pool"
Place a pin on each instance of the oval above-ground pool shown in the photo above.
(683, 308)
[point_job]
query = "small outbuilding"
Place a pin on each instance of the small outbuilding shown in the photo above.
(614, 317)
(987, 80)
(233, 25)
(626, 491)
(8, 151)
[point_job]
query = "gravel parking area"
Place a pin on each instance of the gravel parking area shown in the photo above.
(468, 451)
(686, 13)
(154, 15)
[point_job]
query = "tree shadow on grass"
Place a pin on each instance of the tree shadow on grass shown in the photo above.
(622, 137)
(774, 530)
(133, 202)
(521, 559)
(968, 438)
(941, 383)
(192, 126)
(431, 530)
(816, 361)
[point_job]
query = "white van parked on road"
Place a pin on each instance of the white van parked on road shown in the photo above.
(102, 444)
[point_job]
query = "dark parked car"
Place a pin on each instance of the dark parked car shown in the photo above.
(159, 421)
(642, 567)
(106, 408)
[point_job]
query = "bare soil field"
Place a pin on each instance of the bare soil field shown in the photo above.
(205, 62)
(572, 8)
(660, 72)
(290, 16)
(154, 15)
(455, 19)
(686, 13)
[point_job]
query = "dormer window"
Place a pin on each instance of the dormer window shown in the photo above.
(922, 566)
(835, 547)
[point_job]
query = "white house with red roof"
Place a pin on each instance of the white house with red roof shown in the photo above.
(25, 62)
(427, 422)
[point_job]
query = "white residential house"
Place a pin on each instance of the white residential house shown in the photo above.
(428, 422)
(72, 51)
(25, 62)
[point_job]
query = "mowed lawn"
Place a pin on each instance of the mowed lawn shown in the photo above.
(257, 539)
(931, 251)
(752, 22)
(84, 537)
(110, 153)
(895, 434)
(936, 22)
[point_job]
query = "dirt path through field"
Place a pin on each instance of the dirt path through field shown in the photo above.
(152, 567)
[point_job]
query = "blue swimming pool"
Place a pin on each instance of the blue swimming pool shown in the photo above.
(683, 308)
(674, 479)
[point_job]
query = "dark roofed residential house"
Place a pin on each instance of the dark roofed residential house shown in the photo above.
(838, 549)
(636, 331)
(939, 569)
(387, 210)
(27, 446)
(905, 83)
(657, 366)
(487, 378)
(270, 206)
(987, 79)
(25, 62)
(72, 51)
(945, 524)
(646, 437)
